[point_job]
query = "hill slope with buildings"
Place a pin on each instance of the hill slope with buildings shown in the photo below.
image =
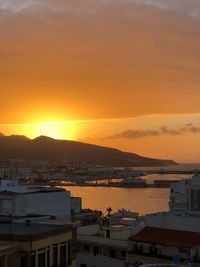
(45, 148)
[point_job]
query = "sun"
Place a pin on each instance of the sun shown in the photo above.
(56, 130)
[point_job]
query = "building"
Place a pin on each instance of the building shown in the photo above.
(169, 220)
(20, 201)
(35, 229)
(185, 196)
(9, 255)
(175, 233)
(162, 244)
(76, 205)
(103, 245)
(36, 244)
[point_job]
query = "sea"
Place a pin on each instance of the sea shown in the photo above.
(142, 200)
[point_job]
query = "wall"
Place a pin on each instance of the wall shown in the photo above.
(122, 234)
(88, 230)
(185, 223)
(47, 243)
(97, 261)
(161, 250)
(54, 203)
(76, 204)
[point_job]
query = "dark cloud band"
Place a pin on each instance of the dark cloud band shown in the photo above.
(133, 134)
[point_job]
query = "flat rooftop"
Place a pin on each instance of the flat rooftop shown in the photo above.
(21, 231)
(117, 227)
(7, 249)
(100, 240)
(29, 189)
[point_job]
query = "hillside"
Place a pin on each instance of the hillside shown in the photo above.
(45, 148)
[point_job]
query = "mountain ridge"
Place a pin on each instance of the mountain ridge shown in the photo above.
(47, 148)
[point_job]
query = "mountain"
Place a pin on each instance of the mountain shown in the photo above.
(46, 148)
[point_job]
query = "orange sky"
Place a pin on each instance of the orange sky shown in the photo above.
(103, 60)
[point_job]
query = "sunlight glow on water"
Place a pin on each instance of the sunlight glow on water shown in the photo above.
(140, 200)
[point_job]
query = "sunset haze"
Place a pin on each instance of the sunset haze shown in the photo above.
(117, 73)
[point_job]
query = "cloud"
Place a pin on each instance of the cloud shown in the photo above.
(82, 62)
(194, 129)
(191, 8)
(165, 131)
(133, 134)
(17, 5)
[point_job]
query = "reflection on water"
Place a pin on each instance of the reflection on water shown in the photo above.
(151, 177)
(179, 167)
(140, 200)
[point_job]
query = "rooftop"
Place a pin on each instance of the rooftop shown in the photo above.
(117, 227)
(4, 250)
(28, 189)
(167, 237)
(100, 240)
(22, 231)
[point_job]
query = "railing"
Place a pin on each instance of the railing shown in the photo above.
(152, 255)
(193, 263)
(67, 264)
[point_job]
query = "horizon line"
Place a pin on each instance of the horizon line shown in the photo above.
(96, 120)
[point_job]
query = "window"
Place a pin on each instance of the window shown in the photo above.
(32, 260)
(124, 253)
(87, 247)
(48, 258)
(96, 250)
(69, 250)
(195, 200)
(55, 255)
(107, 233)
(41, 260)
(112, 253)
(63, 256)
(24, 261)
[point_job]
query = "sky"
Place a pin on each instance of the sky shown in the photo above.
(119, 73)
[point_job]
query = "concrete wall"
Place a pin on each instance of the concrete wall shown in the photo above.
(122, 234)
(185, 223)
(88, 230)
(161, 250)
(97, 261)
(104, 250)
(46, 244)
(54, 203)
(76, 204)
(179, 196)
(185, 196)
(12, 260)
(118, 253)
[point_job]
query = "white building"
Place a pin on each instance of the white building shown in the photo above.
(5, 172)
(103, 245)
(168, 220)
(185, 196)
(22, 201)
(162, 243)
(176, 232)
(76, 205)
(34, 226)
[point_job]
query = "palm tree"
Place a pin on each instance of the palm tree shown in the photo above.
(109, 210)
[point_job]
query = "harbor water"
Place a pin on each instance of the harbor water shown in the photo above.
(142, 200)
